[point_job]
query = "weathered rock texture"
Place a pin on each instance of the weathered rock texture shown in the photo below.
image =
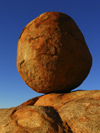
(52, 55)
(75, 112)
(30, 119)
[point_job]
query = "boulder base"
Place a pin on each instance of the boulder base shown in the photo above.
(75, 112)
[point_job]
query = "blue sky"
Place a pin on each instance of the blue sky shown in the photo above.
(15, 15)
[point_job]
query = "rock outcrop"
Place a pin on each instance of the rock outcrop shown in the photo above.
(75, 112)
(52, 54)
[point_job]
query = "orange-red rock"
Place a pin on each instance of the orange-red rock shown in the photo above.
(31, 119)
(52, 54)
(75, 112)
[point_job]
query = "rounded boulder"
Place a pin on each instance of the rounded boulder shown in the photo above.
(52, 55)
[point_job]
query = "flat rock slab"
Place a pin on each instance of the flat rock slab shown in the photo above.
(52, 54)
(75, 112)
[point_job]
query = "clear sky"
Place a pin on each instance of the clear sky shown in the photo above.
(15, 15)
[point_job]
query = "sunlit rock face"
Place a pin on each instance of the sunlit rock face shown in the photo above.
(52, 54)
(75, 112)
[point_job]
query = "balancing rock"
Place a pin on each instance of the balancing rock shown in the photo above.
(52, 54)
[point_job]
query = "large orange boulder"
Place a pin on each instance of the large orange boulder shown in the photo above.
(52, 54)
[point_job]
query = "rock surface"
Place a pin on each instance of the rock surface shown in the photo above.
(52, 54)
(30, 119)
(75, 112)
